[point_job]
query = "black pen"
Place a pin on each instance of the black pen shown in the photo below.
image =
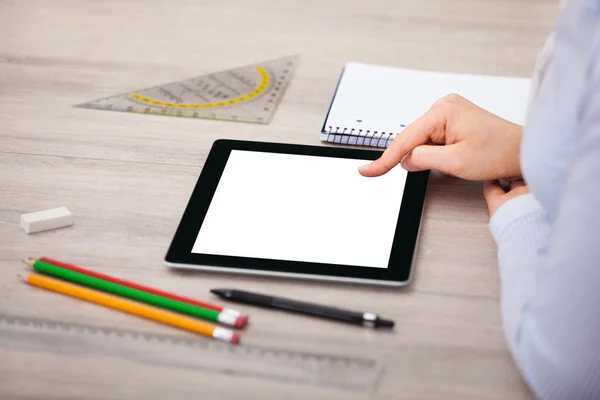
(261, 300)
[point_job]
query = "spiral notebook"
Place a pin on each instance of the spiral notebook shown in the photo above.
(372, 104)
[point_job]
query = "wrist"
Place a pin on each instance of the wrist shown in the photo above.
(514, 162)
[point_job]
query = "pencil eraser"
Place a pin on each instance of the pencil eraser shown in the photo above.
(46, 220)
(241, 321)
(235, 338)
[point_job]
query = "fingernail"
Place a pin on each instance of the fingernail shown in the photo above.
(407, 164)
(363, 167)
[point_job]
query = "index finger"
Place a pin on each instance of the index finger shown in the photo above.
(414, 135)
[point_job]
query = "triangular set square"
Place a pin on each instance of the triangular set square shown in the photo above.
(245, 94)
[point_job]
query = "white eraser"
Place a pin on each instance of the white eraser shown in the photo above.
(46, 220)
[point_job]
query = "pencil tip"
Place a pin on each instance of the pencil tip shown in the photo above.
(29, 261)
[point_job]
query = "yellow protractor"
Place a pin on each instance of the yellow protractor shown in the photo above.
(261, 88)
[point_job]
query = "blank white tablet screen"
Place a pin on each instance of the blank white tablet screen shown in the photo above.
(302, 208)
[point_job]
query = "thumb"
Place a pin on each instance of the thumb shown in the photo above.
(492, 190)
(442, 158)
(493, 194)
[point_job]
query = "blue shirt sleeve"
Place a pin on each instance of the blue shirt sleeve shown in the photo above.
(550, 274)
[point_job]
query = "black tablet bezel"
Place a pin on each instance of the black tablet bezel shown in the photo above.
(405, 237)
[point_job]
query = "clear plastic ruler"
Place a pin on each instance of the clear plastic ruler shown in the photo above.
(50, 336)
(245, 94)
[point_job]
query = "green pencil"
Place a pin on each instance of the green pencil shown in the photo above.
(130, 293)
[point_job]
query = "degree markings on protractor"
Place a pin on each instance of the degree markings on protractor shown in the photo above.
(45, 335)
(246, 94)
(224, 102)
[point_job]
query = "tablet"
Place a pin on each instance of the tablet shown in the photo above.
(300, 212)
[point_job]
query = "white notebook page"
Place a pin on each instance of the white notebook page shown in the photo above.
(386, 99)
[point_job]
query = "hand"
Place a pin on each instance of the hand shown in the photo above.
(478, 144)
(495, 196)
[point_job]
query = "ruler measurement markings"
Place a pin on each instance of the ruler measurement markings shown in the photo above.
(348, 372)
(44, 325)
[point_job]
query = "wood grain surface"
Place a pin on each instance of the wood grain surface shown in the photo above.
(126, 178)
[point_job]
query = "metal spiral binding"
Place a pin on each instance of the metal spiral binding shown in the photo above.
(353, 136)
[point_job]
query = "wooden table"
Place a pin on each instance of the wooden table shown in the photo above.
(127, 178)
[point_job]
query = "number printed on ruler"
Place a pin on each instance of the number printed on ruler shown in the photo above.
(246, 94)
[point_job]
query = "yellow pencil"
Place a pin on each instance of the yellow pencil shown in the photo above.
(132, 307)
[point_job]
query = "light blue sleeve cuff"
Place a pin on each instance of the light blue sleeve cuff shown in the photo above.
(521, 229)
(511, 211)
